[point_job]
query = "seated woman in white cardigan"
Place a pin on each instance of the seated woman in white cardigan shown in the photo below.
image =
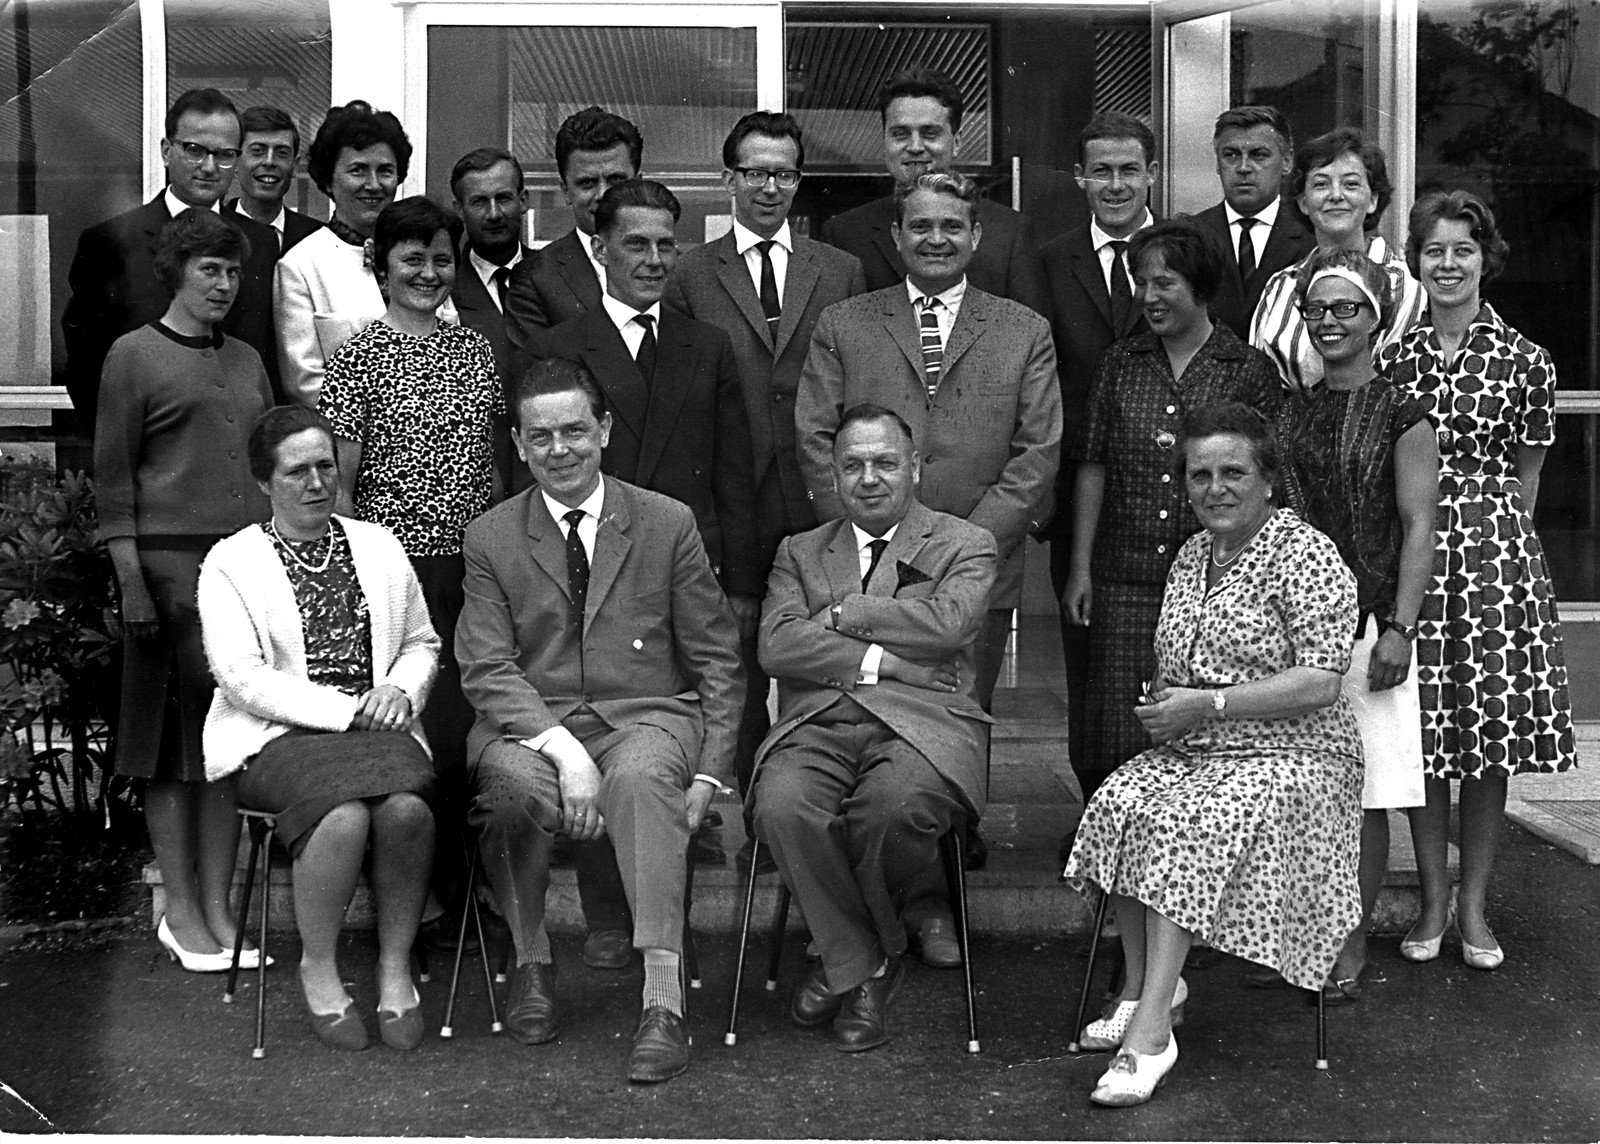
(319, 639)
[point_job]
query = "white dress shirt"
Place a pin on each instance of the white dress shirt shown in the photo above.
(747, 243)
(1102, 247)
(176, 206)
(623, 315)
(485, 271)
(587, 242)
(1265, 218)
(948, 310)
(869, 662)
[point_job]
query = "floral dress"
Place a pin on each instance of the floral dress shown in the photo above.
(1492, 675)
(1245, 831)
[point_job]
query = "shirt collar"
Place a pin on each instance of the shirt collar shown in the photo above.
(951, 297)
(591, 505)
(621, 313)
(1098, 238)
(744, 238)
(176, 206)
(486, 269)
(1267, 216)
(865, 538)
(586, 242)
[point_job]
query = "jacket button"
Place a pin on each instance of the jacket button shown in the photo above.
(777, 398)
(1162, 514)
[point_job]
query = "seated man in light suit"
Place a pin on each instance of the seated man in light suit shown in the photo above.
(868, 627)
(603, 661)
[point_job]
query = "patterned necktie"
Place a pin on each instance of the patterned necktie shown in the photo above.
(502, 283)
(577, 566)
(770, 306)
(646, 357)
(877, 547)
(932, 346)
(1247, 249)
(1121, 288)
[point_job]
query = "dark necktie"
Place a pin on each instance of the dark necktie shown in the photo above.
(1247, 249)
(577, 566)
(770, 306)
(646, 357)
(877, 547)
(932, 346)
(502, 283)
(1121, 288)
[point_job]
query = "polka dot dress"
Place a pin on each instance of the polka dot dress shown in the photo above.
(1490, 670)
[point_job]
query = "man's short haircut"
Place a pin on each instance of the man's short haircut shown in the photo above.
(196, 233)
(1187, 251)
(1440, 206)
(1235, 418)
(482, 159)
(275, 427)
(778, 124)
(356, 126)
(264, 117)
(917, 81)
(198, 101)
(596, 129)
(550, 376)
(867, 411)
(1329, 148)
(1249, 115)
(633, 193)
(1117, 125)
(416, 218)
(940, 183)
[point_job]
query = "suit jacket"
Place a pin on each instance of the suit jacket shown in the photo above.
(556, 285)
(990, 441)
(934, 613)
(115, 290)
(712, 284)
(1006, 262)
(1080, 320)
(477, 310)
(685, 435)
(1290, 241)
(295, 225)
(658, 643)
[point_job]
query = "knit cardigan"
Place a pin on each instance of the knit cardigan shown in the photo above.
(255, 642)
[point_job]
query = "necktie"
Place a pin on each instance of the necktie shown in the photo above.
(502, 283)
(577, 566)
(770, 306)
(1121, 288)
(1247, 249)
(646, 357)
(877, 547)
(932, 346)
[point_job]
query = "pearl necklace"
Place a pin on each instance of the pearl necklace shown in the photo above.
(327, 558)
(1237, 552)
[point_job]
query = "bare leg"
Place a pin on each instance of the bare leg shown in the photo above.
(324, 879)
(171, 811)
(1483, 808)
(1130, 914)
(1374, 865)
(402, 858)
(218, 822)
(1430, 835)
(1166, 944)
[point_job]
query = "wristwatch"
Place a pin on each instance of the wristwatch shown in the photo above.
(1219, 703)
(1405, 631)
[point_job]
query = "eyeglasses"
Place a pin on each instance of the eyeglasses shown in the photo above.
(756, 177)
(1344, 311)
(196, 154)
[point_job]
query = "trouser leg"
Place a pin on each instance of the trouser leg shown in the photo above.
(447, 718)
(515, 809)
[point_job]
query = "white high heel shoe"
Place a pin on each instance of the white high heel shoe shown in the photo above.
(1107, 1033)
(193, 962)
(1134, 1077)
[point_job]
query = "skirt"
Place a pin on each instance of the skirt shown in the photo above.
(1391, 732)
(301, 775)
(1122, 658)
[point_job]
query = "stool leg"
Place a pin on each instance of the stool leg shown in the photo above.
(419, 962)
(780, 924)
(1322, 1031)
(504, 971)
(1088, 973)
(271, 828)
(483, 957)
(955, 867)
(691, 956)
(447, 1030)
(244, 913)
(731, 1037)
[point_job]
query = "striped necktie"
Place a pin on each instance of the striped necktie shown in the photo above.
(932, 345)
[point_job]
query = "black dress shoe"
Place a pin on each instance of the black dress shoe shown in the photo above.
(608, 949)
(812, 1005)
(705, 844)
(438, 935)
(531, 1012)
(660, 1047)
(934, 941)
(767, 865)
(975, 851)
(863, 1020)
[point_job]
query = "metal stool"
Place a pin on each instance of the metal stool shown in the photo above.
(262, 828)
(956, 880)
(469, 909)
(1088, 979)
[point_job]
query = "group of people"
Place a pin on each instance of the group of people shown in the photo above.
(427, 539)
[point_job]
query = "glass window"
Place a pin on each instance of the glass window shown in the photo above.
(1306, 58)
(1568, 514)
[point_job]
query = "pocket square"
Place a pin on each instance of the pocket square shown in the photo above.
(909, 575)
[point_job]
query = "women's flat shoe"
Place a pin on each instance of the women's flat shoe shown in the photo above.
(1477, 957)
(1133, 1077)
(1413, 950)
(219, 962)
(403, 1030)
(1107, 1033)
(342, 1031)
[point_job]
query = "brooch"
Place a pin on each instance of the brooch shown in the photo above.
(1165, 440)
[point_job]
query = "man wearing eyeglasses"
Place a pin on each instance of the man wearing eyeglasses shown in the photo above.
(113, 280)
(766, 286)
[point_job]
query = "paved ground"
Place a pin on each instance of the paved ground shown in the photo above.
(101, 1034)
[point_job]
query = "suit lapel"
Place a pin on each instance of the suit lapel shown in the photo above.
(614, 368)
(901, 322)
(841, 563)
(1280, 249)
(908, 541)
(611, 545)
(548, 545)
(884, 241)
(971, 323)
(1086, 268)
(798, 283)
(577, 271)
(734, 275)
(471, 295)
(676, 360)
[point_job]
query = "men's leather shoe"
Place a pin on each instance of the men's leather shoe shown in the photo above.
(934, 940)
(767, 865)
(608, 949)
(812, 1004)
(531, 1012)
(438, 934)
(863, 1020)
(705, 844)
(660, 1047)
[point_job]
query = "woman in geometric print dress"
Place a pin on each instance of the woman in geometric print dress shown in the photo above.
(1490, 666)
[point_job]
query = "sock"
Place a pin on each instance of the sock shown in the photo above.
(540, 953)
(662, 983)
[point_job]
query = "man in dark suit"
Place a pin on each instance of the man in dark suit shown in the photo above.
(1092, 305)
(869, 626)
(1255, 151)
(270, 150)
(766, 287)
(595, 150)
(603, 662)
(921, 110)
(113, 278)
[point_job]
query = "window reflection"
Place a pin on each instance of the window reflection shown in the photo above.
(1306, 58)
